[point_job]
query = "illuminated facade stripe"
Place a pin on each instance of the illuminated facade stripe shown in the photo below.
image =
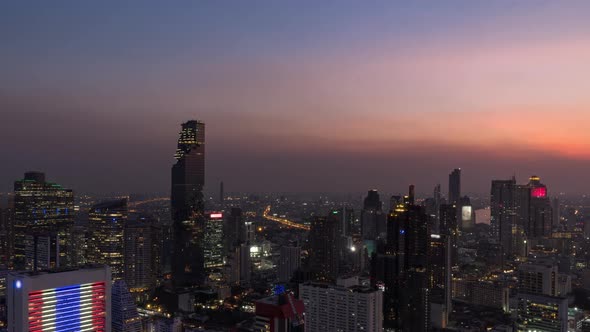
(68, 309)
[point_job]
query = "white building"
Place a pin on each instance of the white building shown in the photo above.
(74, 300)
(337, 308)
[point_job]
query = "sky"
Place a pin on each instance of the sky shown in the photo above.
(297, 96)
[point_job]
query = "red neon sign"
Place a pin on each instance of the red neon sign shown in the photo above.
(539, 192)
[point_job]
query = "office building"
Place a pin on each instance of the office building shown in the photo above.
(502, 212)
(41, 206)
(142, 259)
(482, 293)
(339, 308)
(449, 226)
(541, 313)
(373, 220)
(279, 313)
(289, 262)
(187, 204)
(455, 186)
(107, 244)
(234, 229)
(74, 300)
(125, 317)
(404, 266)
(213, 241)
(324, 251)
(42, 250)
(538, 279)
(6, 231)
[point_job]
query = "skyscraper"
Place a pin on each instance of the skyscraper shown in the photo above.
(372, 218)
(502, 214)
(213, 241)
(107, 223)
(455, 186)
(323, 241)
(289, 262)
(405, 269)
(74, 300)
(41, 206)
(125, 316)
(142, 254)
(6, 232)
(188, 179)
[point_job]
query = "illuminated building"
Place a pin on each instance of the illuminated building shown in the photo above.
(142, 259)
(41, 251)
(372, 217)
(482, 293)
(123, 308)
(323, 252)
(106, 246)
(449, 226)
(41, 206)
(279, 313)
(289, 262)
(541, 313)
(541, 210)
(7, 232)
(455, 186)
(439, 268)
(339, 308)
(74, 300)
(502, 212)
(404, 266)
(213, 240)
(538, 279)
(467, 220)
(188, 179)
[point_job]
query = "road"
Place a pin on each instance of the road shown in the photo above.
(285, 222)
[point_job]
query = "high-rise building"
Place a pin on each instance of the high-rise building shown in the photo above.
(338, 308)
(541, 313)
(405, 262)
(449, 226)
(439, 267)
(123, 308)
(455, 186)
(107, 244)
(538, 279)
(279, 313)
(74, 300)
(323, 252)
(41, 206)
(6, 231)
(541, 210)
(289, 262)
(42, 251)
(372, 217)
(502, 212)
(188, 179)
(213, 240)
(142, 259)
(234, 229)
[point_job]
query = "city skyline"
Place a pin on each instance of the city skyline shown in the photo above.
(298, 97)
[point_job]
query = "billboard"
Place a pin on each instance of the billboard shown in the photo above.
(466, 213)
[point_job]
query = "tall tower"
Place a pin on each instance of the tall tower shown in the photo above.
(188, 179)
(455, 186)
(42, 207)
(107, 224)
(323, 238)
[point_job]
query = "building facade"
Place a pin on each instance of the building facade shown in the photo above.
(75, 300)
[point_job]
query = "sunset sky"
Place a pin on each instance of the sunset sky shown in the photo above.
(297, 96)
